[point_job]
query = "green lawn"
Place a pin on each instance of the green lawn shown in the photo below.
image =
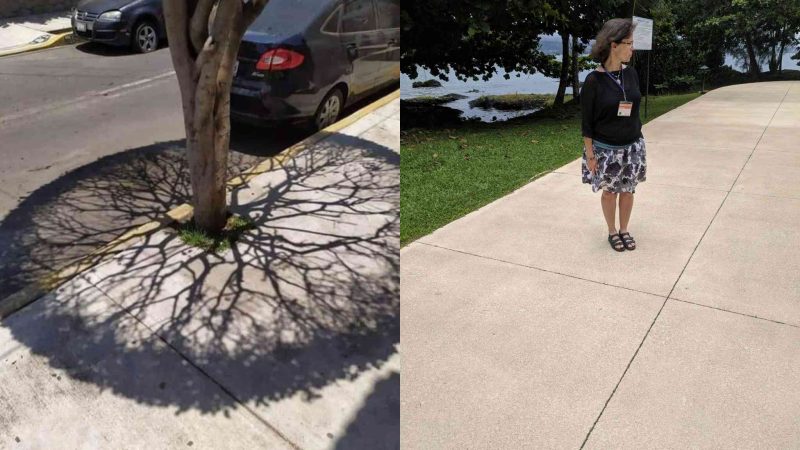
(446, 174)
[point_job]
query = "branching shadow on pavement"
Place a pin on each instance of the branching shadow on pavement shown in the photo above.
(90, 206)
(94, 204)
(308, 298)
(385, 396)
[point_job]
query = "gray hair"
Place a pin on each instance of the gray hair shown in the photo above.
(615, 30)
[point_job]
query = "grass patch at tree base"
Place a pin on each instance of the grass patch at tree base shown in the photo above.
(193, 236)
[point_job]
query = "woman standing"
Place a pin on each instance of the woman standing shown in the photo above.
(614, 151)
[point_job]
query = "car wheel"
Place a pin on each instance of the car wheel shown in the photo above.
(329, 110)
(145, 37)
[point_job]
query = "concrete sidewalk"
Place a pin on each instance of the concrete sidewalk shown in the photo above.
(21, 34)
(522, 328)
(288, 340)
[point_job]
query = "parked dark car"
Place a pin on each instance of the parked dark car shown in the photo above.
(135, 23)
(305, 60)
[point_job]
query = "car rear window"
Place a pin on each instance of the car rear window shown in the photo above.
(388, 13)
(359, 15)
(288, 16)
(332, 24)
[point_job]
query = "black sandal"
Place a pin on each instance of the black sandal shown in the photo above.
(616, 242)
(628, 241)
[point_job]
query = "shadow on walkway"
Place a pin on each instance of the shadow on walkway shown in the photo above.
(91, 206)
(308, 298)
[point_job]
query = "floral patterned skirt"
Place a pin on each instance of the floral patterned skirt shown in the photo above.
(619, 168)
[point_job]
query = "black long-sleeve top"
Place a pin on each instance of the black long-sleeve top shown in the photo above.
(600, 97)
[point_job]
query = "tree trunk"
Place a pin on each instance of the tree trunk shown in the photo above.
(204, 38)
(562, 84)
(773, 61)
(755, 70)
(576, 81)
(780, 56)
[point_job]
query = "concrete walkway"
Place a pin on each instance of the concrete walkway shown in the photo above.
(21, 34)
(288, 340)
(522, 328)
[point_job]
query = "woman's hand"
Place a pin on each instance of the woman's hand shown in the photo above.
(591, 161)
(588, 149)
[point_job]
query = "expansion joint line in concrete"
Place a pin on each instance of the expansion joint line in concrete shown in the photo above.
(778, 322)
(538, 268)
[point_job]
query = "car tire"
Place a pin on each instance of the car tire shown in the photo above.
(329, 110)
(145, 37)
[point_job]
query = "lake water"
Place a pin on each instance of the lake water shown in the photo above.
(522, 84)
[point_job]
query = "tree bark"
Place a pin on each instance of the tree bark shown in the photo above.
(576, 81)
(562, 84)
(773, 61)
(204, 38)
(755, 70)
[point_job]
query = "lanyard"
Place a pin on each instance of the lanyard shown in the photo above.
(620, 84)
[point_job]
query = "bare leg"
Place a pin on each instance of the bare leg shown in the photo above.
(609, 202)
(625, 208)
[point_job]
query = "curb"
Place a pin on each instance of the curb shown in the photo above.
(182, 213)
(277, 160)
(56, 38)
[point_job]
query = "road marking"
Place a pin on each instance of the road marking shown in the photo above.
(92, 95)
(123, 87)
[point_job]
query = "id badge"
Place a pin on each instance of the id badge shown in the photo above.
(625, 109)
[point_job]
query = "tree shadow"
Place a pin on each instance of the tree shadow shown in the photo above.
(86, 208)
(379, 409)
(306, 300)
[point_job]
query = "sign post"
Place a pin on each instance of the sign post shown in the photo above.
(647, 85)
(643, 40)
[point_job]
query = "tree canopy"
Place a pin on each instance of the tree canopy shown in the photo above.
(475, 38)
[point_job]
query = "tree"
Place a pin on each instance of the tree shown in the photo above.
(674, 61)
(204, 38)
(579, 20)
(782, 23)
(472, 38)
(758, 29)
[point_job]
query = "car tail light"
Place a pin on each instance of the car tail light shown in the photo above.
(279, 59)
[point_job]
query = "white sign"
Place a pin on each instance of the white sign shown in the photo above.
(643, 34)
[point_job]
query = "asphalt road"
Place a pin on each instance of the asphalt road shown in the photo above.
(91, 144)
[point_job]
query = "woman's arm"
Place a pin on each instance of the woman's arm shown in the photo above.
(587, 113)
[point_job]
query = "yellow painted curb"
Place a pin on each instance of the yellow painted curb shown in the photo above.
(52, 42)
(277, 160)
(182, 213)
